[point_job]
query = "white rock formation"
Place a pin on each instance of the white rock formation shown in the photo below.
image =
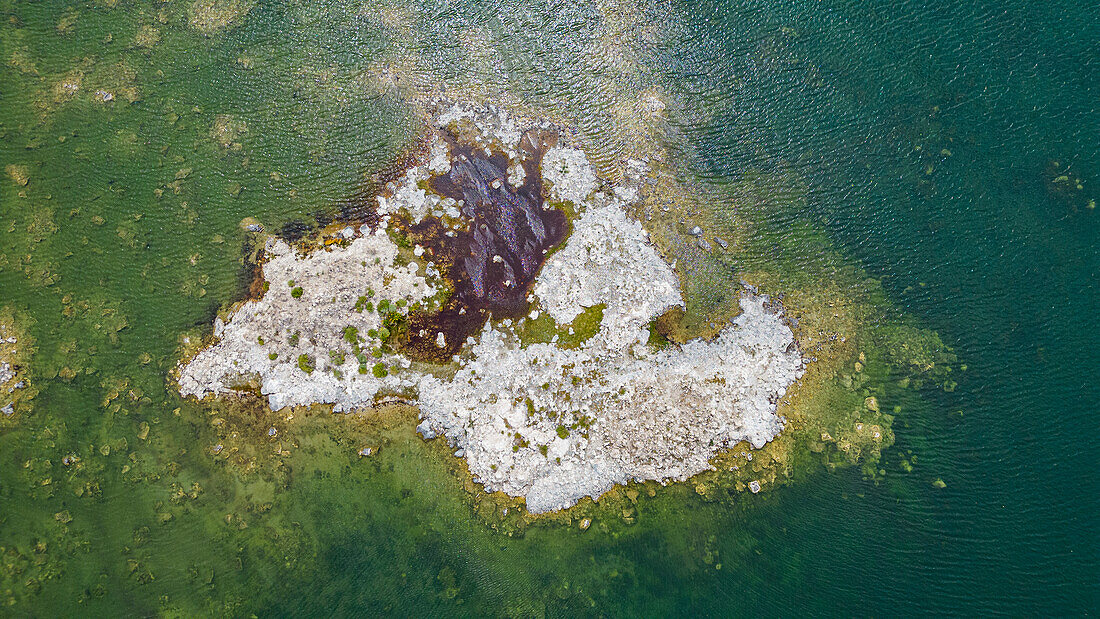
(608, 260)
(555, 425)
(490, 125)
(332, 282)
(408, 196)
(568, 174)
(7, 372)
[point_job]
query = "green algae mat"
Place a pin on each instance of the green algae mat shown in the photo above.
(916, 184)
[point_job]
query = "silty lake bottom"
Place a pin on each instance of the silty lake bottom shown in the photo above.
(926, 174)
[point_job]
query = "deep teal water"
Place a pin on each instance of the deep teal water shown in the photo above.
(979, 248)
(970, 234)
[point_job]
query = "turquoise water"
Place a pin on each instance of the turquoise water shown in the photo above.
(919, 139)
(979, 248)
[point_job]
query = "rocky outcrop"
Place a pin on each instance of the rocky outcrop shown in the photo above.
(553, 418)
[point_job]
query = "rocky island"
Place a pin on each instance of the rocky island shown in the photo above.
(502, 288)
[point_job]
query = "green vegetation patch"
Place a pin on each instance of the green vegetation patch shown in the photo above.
(306, 363)
(656, 340)
(543, 329)
(351, 335)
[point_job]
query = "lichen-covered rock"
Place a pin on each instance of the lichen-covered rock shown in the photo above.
(569, 175)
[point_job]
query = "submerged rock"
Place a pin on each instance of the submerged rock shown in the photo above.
(212, 16)
(18, 174)
(16, 389)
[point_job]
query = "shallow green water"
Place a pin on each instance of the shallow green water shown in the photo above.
(131, 221)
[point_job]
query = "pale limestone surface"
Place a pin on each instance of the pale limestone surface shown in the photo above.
(568, 174)
(332, 281)
(406, 195)
(7, 372)
(489, 125)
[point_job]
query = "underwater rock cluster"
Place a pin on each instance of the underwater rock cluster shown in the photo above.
(13, 382)
(544, 377)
